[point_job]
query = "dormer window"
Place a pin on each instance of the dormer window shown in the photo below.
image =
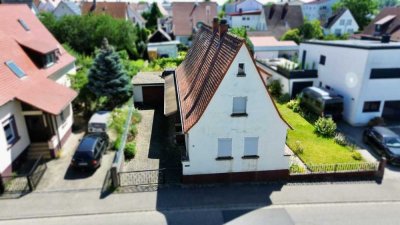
(15, 69)
(241, 71)
(49, 59)
(24, 25)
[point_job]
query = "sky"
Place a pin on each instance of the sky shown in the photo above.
(220, 2)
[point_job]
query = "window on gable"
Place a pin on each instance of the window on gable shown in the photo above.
(224, 147)
(342, 22)
(10, 130)
(241, 71)
(15, 69)
(49, 59)
(349, 22)
(243, 18)
(371, 106)
(338, 32)
(322, 60)
(239, 106)
(250, 146)
(24, 25)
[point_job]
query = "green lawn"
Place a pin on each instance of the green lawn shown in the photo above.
(317, 150)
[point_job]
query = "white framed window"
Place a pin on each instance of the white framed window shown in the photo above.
(349, 22)
(342, 22)
(10, 130)
(241, 71)
(250, 146)
(224, 147)
(239, 105)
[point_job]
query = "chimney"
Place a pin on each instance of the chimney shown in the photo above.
(223, 27)
(385, 38)
(271, 11)
(215, 25)
(284, 11)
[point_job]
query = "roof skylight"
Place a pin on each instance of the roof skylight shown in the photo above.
(24, 25)
(15, 69)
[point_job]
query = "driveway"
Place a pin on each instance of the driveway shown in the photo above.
(60, 177)
(354, 134)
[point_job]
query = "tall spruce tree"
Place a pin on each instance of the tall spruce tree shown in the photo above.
(107, 77)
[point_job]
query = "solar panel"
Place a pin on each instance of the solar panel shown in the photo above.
(23, 24)
(16, 70)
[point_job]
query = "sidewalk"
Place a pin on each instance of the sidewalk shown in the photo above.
(228, 197)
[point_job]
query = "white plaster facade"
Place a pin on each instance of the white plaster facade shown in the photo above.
(318, 10)
(247, 21)
(167, 48)
(346, 24)
(63, 9)
(263, 121)
(347, 71)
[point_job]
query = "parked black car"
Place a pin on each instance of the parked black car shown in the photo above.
(90, 151)
(385, 142)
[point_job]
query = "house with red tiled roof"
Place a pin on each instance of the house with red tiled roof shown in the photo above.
(188, 16)
(387, 22)
(35, 100)
(230, 126)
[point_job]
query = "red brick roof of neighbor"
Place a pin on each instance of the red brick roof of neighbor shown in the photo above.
(34, 88)
(391, 27)
(186, 15)
(117, 10)
(200, 74)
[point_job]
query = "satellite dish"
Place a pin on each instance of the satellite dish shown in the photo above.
(351, 80)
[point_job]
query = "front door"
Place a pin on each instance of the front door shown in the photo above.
(38, 129)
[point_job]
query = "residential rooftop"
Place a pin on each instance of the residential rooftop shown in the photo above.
(361, 44)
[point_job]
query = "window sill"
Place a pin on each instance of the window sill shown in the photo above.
(250, 157)
(241, 75)
(239, 115)
(224, 158)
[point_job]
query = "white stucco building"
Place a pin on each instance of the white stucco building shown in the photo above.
(365, 73)
(341, 23)
(65, 8)
(35, 102)
(267, 47)
(243, 13)
(232, 130)
(318, 9)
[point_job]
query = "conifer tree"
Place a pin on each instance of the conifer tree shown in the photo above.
(107, 77)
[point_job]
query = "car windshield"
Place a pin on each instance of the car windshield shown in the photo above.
(393, 142)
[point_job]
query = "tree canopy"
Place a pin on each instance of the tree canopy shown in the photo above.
(107, 77)
(152, 16)
(362, 10)
(242, 32)
(309, 30)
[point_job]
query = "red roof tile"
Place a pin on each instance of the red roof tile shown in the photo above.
(186, 15)
(117, 10)
(35, 88)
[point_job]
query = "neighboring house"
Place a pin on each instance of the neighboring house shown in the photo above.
(275, 19)
(244, 13)
(142, 7)
(232, 129)
(342, 22)
(292, 78)
(35, 102)
(267, 47)
(32, 4)
(386, 22)
(318, 9)
(148, 88)
(161, 45)
(65, 8)
(365, 73)
(48, 5)
(118, 10)
(187, 17)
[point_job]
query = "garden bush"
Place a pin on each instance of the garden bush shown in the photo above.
(340, 139)
(136, 117)
(294, 105)
(356, 155)
(275, 88)
(133, 130)
(325, 127)
(130, 150)
(284, 98)
(117, 144)
(298, 147)
(377, 121)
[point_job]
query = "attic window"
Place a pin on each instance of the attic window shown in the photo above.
(241, 71)
(24, 25)
(15, 69)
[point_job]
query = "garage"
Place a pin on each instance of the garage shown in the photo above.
(299, 86)
(148, 89)
(391, 110)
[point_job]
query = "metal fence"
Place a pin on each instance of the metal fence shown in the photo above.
(335, 168)
(17, 185)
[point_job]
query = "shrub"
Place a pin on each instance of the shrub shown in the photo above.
(117, 144)
(130, 150)
(294, 105)
(377, 121)
(325, 127)
(295, 168)
(133, 130)
(298, 147)
(136, 117)
(285, 98)
(356, 155)
(341, 139)
(275, 88)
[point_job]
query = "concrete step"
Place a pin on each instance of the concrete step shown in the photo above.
(36, 150)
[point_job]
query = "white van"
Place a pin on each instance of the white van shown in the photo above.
(98, 123)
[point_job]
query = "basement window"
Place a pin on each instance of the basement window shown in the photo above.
(15, 69)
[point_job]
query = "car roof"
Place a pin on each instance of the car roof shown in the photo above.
(100, 117)
(385, 132)
(88, 142)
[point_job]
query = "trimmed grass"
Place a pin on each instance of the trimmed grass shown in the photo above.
(317, 150)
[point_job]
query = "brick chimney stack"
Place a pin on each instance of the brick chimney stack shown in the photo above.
(215, 25)
(223, 27)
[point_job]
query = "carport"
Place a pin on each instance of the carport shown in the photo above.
(391, 110)
(148, 88)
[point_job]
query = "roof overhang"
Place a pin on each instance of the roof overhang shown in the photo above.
(170, 100)
(38, 46)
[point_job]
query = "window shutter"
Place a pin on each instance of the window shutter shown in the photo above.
(250, 146)
(239, 104)
(224, 147)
